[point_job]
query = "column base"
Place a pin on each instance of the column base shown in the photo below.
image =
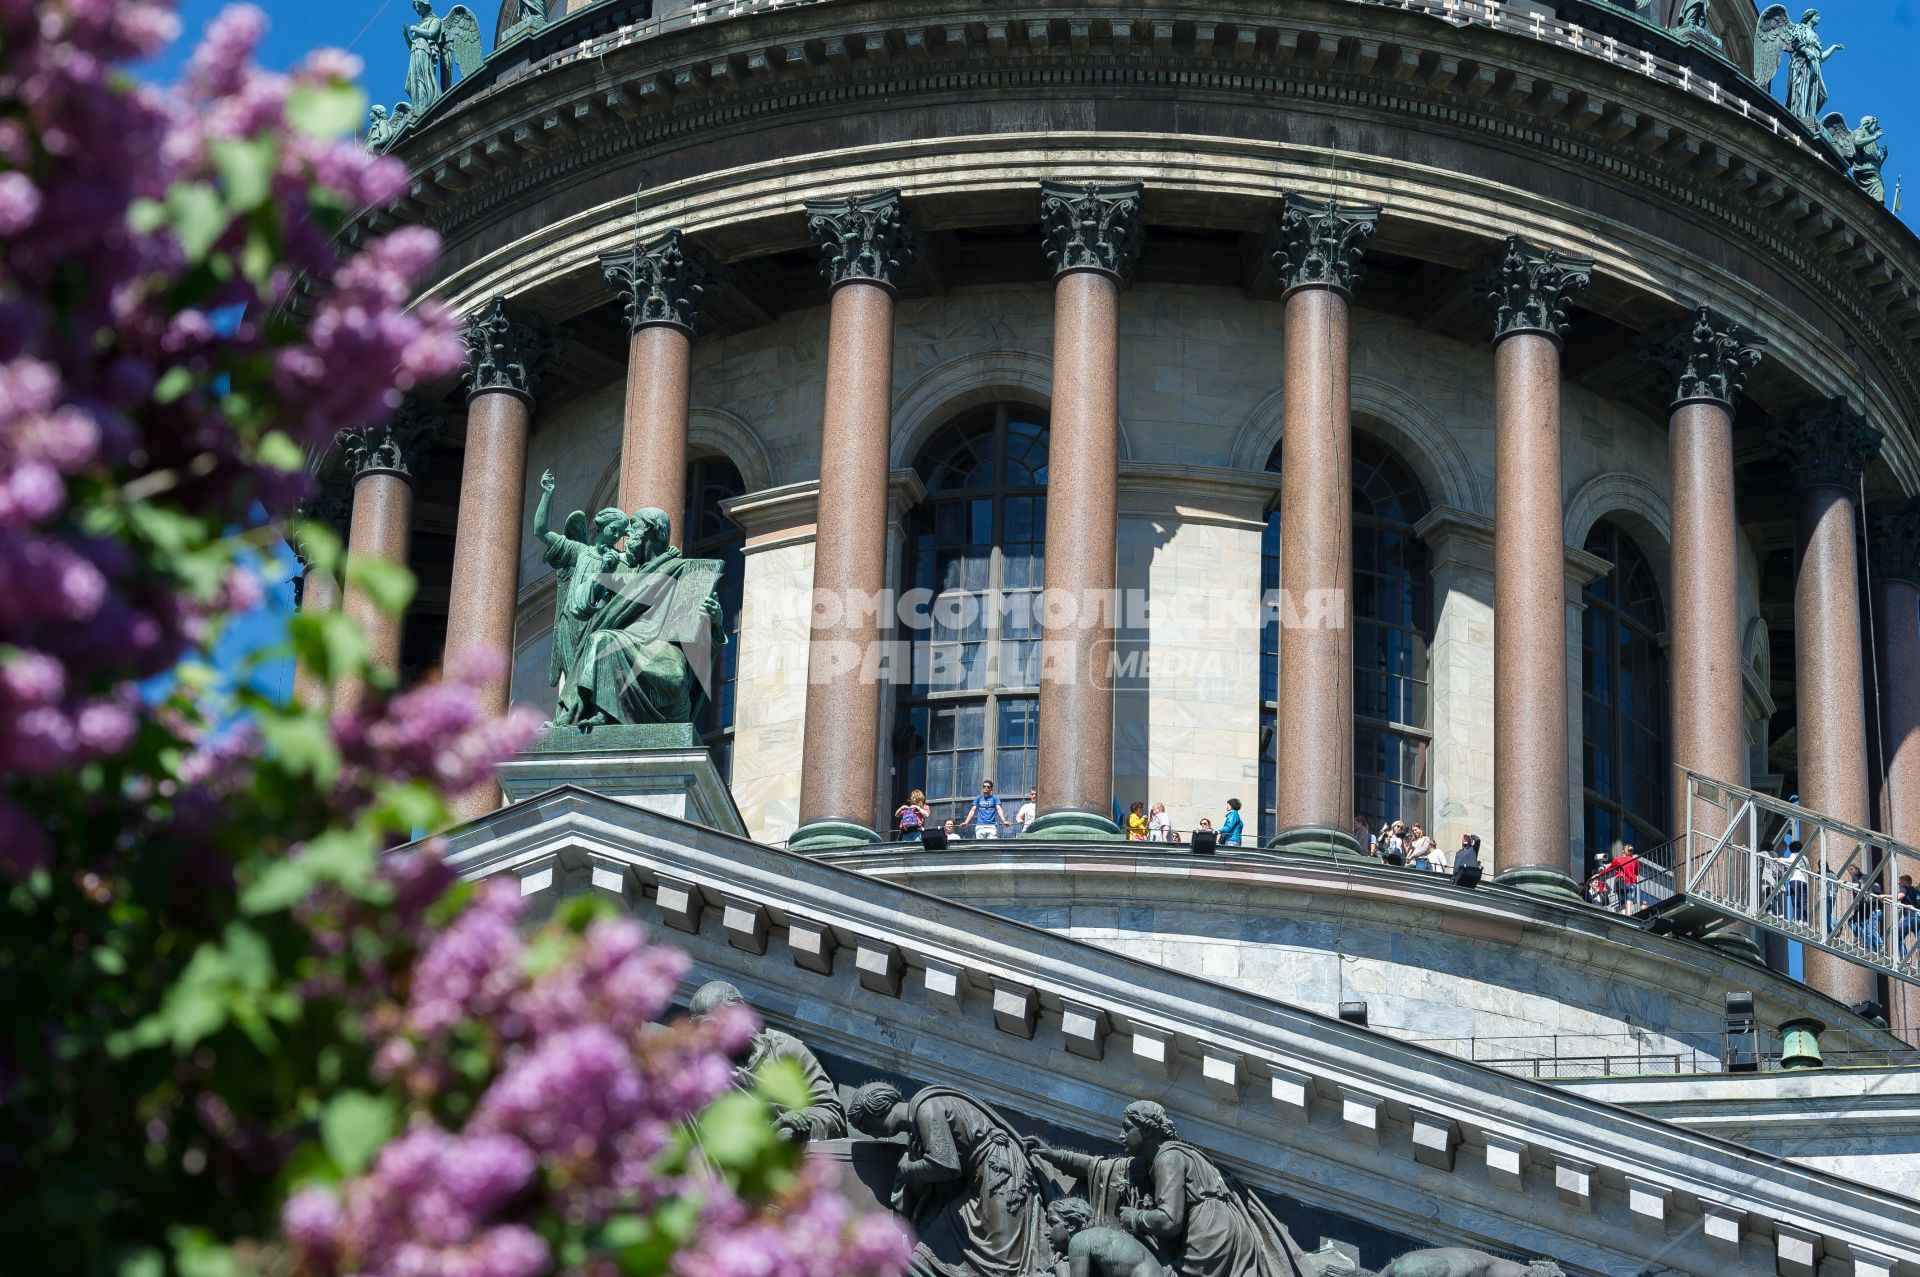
(830, 835)
(1325, 841)
(1072, 826)
(1735, 944)
(1549, 884)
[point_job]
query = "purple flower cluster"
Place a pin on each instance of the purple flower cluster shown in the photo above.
(436, 731)
(573, 1126)
(104, 312)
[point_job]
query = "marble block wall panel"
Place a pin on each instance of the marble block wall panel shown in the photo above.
(770, 696)
(1187, 722)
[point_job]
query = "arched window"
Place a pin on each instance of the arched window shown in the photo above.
(1392, 625)
(969, 712)
(1624, 710)
(710, 534)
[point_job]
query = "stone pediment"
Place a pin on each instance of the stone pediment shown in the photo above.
(1321, 1113)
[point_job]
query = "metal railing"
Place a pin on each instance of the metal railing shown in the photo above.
(1563, 1057)
(1758, 859)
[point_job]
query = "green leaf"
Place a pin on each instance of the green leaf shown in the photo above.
(278, 450)
(174, 383)
(330, 644)
(280, 885)
(736, 1132)
(353, 1126)
(110, 961)
(326, 111)
(386, 582)
(303, 744)
(319, 543)
(782, 1084)
(405, 808)
(197, 1254)
(347, 857)
(199, 218)
(245, 168)
(145, 216)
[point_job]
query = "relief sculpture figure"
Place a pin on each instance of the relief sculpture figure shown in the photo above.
(1088, 1250)
(966, 1184)
(1203, 1221)
(822, 1118)
(1458, 1261)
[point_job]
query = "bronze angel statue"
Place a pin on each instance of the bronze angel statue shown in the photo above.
(439, 50)
(1863, 149)
(1799, 43)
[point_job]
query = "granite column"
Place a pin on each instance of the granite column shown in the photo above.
(1708, 359)
(1894, 550)
(868, 247)
(1532, 842)
(1828, 449)
(1092, 234)
(383, 461)
(1316, 247)
(504, 355)
(663, 285)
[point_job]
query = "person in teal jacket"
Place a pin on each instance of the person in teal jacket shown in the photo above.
(1231, 826)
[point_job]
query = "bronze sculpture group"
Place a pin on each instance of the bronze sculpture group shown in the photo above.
(635, 624)
(985, 1201)
(439, 51)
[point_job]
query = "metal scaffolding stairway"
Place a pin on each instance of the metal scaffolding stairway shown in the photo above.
(1751, 858)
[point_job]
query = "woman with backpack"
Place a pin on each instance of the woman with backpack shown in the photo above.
(912, 816)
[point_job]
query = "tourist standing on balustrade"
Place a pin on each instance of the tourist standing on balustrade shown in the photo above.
(984, 817)
(1137, 822)
(1232, 828)
(1392, 845)
(1420, 849)
(1159, 824)
(912, 816)
(1466, 862)
(1028, 810)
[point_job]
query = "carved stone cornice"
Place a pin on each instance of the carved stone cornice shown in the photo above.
(864, 237)
(505, 353)
(1090, 226)
(1707, 357)
(1893, 540)
(1827, 446)
(395, 446)
(663, 283)
(1528, 289)
(1318, 243)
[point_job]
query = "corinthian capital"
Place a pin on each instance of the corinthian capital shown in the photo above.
(1893, 540)
(663, 283)
(1529, 287)
(504, 352)
(1707, 357)
(1317, 243)
(1829, 445)
(865, 237)
(1091, 227)
(397, 445)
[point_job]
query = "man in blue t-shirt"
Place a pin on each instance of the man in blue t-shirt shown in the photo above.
(984, 816)
(1231, 827)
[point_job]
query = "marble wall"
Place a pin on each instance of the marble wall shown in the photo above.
(1200, 411)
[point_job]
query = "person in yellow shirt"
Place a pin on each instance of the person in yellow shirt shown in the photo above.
(1137, 823)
